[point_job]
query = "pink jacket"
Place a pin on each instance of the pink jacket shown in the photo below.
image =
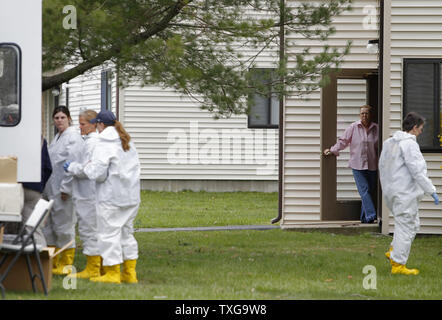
(363, 146)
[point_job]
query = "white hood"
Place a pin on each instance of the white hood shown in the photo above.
(402, 135)
(116, 171)
(109, 134)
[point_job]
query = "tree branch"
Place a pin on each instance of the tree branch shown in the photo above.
(52, 81)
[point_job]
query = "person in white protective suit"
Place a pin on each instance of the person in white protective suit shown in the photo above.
(59, 229)
(404, 181)
(116, 168)
(84, 197)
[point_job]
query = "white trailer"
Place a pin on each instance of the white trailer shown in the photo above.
(20, 85)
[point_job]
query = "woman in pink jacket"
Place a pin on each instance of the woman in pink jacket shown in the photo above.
(362, 136)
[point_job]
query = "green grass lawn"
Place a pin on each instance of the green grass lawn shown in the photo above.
(250, 264)
(203, 209)
(272, 264)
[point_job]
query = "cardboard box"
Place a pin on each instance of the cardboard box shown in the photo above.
(8, 169)
(2, 230)
(18, 278)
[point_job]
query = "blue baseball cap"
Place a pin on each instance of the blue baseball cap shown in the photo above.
(105, 116)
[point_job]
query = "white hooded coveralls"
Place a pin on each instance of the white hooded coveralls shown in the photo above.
(84, 196)
(60, 225)
(404, 181)
(117, 173)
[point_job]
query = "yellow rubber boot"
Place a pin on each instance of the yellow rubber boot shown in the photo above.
(66, 259)
(111, 275)
(388, 253)
(129, 275)
(397, 268)
(92, 269)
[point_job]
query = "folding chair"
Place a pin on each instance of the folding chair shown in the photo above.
(24, 244)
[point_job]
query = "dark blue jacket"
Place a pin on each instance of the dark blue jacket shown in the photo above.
(46, 170)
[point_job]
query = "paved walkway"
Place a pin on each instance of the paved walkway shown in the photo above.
(257, 227)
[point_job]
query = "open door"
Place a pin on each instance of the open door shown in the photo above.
(340, 102)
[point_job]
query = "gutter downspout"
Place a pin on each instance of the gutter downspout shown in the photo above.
(281, 117)
(380, 101)
(386, 91)
(117, 94)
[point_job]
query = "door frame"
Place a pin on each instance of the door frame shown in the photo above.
(337, 210)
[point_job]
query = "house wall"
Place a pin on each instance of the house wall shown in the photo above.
(302, 117)
(181, 146)
(414, 29)
(176, 140)
(85, 93)
(46, 114)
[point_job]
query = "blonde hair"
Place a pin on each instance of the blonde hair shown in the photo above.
(88, 115)
(366, 106)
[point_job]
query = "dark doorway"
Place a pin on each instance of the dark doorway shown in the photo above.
(337, 202)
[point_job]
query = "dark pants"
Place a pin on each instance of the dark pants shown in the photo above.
(366, 183)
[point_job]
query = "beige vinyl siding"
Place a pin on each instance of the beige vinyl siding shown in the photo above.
(302, 119)
(416, 28)
(85, 92)
(87, 95)
(46, 116)
(177, 140)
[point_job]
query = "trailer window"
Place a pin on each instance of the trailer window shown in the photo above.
(10, 104)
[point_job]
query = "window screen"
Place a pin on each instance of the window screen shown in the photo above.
(106, 90)
(264, 112)
(274, 113)
(10, 104)
(422, 94)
